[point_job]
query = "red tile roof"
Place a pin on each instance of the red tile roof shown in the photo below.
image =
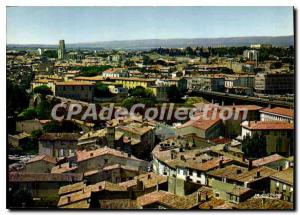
(279, 111)
(60, 136)
(169, 199)
(46, 158)
(286, 176)
(267, 125)
(85, 155)
(201, 123)
(53, 177)
(75, 83)
(268, 159)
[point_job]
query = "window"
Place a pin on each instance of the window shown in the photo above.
(190, 172)
(284, 187)
(61, 152)
(198, 174)
(105, 161)
(217, 195)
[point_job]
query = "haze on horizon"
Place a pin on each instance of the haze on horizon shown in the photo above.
(47, 25)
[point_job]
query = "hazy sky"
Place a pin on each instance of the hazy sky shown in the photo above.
(47, 25)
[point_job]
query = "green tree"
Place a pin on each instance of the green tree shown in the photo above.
(63, 126)
(50, 53)
(17, 98)
(102, 90)
(129, 102)
(27, 114)
(90, 71)
(43, 90)
(129, 63)
(32, 146)
(174, 94)
(255, 146)
(140, 92)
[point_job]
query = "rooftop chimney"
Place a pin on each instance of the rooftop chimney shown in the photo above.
(69, 199)
(238, 171)
(91, 154)
(250, 165)
(257, 174)
(221, 163)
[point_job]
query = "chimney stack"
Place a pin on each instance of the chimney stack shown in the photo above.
(257, 174)
(250, 165)
(221, 163)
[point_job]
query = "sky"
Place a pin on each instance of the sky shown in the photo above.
(47, 25)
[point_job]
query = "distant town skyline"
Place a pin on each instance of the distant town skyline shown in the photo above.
(47, 25)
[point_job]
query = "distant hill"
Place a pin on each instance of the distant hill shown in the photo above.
(173, 43)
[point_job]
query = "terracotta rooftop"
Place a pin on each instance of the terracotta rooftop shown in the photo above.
(168, 199)
(286, 176)
(114, 70)
(75, 83)
(54, 177)
(94, 78)
(105, 185)
(74, 197)
(136, 128)
(212, 203)
(258, 204)
(208, 165)
(98, 134)
(242, 174)
(60, 136)
(81, 204)
(85, 155)
(132, 79)
(200, 123)
(267, 125)
(247, 107)
(279, 111)
(268, 159)
(221, 140)
(71, 188)
(119, 166)
(149, 180)
(46, 158)
(63, 168)
(118, 204)
(78, 192)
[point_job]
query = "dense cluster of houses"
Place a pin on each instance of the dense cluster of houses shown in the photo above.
(199, 167)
